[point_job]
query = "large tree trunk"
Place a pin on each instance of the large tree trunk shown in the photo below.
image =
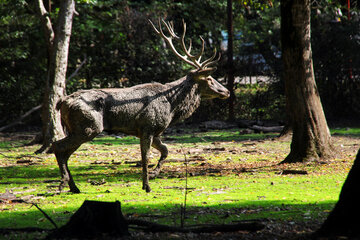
(58, 46)
(344, 218)
(311, 138)
(230, 63)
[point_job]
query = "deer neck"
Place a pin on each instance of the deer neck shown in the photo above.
(184, 97)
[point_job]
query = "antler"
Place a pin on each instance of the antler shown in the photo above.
(188, 57)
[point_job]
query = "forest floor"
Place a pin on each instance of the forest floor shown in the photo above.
(232, 176)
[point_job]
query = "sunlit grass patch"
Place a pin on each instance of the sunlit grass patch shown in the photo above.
(346, 131)
(231, 177)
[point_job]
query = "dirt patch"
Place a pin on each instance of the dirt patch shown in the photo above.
(17, 136)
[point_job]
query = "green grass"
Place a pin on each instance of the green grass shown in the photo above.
(236, 178)
(355, 132)
(188, 136)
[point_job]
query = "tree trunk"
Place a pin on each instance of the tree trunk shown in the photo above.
(344, 218)
(58, 46)
(311, 138)
(230, 63)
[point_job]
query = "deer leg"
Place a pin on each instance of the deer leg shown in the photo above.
(145, 143)
(63, 150)
(157, 144)
(63, 153)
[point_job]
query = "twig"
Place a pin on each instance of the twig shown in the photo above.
(19, 120)
(78, 68)
(28, 113)
(155, 227)
(183, 208)
(45, 214)
(28, 155)
(26, 229)
(6, 156)
(21, 156)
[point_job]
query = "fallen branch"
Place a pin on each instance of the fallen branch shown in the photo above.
(267, 129)
(292, 171)
(173, 160)
(26, 229)
(46, 215)
(19, 120)
(155, 227)
(77, 69)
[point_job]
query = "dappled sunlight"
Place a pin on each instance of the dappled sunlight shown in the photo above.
(230, 178)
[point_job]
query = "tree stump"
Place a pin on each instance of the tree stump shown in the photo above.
(93, 220)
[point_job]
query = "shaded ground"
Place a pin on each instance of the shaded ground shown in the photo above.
(274, 230)
(210, 154)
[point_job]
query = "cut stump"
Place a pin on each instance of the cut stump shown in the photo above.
(92, 220)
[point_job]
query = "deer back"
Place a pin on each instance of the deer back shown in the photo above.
(146, 107)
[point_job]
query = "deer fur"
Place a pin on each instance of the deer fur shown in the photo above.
(144, 111)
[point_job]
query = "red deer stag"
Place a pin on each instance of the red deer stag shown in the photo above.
(144, 110)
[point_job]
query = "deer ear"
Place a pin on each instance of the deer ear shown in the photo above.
(203, 73)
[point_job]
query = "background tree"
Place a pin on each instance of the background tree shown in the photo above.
(115, 40)
(336, 70)
(311, 138)
(230, 60)
(58, 48)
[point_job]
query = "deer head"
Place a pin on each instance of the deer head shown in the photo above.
(209, 87)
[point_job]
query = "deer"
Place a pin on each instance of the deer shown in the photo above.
(144, 110)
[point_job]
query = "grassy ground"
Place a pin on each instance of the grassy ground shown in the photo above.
(232, 177)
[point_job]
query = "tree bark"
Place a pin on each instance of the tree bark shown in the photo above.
(58, 47)
(311, 138)
(344, 218)
(230, 63)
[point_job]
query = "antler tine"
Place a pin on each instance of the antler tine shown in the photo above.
(157, 31)
(169, 27)
(202, 49)
(194, 59)
(188, 57)
(183, 40)
(187, 51)
(210, 61)
(162, 33)
(190, 45)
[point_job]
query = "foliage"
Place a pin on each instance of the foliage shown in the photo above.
(260, 102)
(22, 63)
(232, 177)
(120, 49)
(336, 70)
(258, 36)
(256, 101)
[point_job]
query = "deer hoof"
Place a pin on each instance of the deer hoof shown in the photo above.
(74, 190)
(153, 175)
(61, 186)
(146, 188)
